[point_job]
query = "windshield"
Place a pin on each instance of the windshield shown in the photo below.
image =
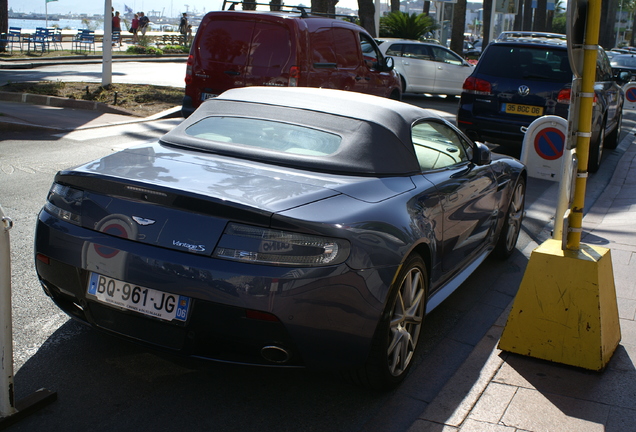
(628, 61)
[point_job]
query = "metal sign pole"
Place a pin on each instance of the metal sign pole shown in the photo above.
(10, 410)
(7, 401)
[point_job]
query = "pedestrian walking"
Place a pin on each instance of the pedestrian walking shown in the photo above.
(143, 23)
(183, 28)
(134, 28)
(116, 29)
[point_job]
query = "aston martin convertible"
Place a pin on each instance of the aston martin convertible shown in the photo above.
(292, 227)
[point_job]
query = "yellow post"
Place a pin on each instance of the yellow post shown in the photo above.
(585, 122)
(566, 310)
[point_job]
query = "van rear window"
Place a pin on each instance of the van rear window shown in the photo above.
(266, 134)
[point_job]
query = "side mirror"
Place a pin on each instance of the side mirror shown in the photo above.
(624, 77)
(483, 155)
(387, 64)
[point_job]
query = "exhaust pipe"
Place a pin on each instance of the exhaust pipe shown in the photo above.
(275, 354)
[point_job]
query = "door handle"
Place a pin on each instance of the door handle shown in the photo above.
(231, 72)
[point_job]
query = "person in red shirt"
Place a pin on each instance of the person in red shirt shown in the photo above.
(116, 28)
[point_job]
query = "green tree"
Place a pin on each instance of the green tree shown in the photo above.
(405, 26)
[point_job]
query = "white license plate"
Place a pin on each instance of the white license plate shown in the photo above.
(146, 301)
(205, 96)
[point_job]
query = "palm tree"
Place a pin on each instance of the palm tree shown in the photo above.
(404, 26)
(459, 23)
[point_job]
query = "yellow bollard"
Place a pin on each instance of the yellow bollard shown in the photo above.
(565, 310)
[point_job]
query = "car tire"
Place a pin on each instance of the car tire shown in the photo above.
(397, 334)
(613, 139)
(596, 151)
(511, 228)
(403, 81)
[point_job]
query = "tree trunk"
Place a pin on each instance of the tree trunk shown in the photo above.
(366, 13)
(550, 18)
(631, 39)
(527, 15)
(539, 15)
(395, 5)
(275, 5)
(4, 20)
(487, 18)
(607, 36)
(518, 24)
(249, 5)
(459, 24)
(324, 6)
(427, 7)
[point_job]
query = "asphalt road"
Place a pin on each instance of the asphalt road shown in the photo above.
(106, 384)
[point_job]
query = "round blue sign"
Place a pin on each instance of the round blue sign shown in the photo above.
(549, 143)
(630, 94)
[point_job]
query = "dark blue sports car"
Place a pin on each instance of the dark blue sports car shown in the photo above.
(281, 226)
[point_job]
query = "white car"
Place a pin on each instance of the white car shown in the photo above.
(427, 67)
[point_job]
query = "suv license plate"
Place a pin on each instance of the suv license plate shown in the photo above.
(528, 110)
(147, 301)
(206, 96)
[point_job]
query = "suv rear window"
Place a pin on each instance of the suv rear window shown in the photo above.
(537, 63)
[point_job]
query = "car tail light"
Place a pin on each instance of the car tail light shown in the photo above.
(260, 316)
(477, 86)
(189, 63)
(564, 96)
(294, 74)
(65, 202)
(266, 246)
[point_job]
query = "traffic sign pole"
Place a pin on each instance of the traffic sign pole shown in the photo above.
(566, 310)
(584, 133)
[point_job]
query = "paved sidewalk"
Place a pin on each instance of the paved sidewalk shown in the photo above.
(496, 391)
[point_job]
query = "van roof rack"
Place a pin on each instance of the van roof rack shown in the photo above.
(305, 11)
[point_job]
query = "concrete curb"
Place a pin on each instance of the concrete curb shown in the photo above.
(55, 101)
(23, 63)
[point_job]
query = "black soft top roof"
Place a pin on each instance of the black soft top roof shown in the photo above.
(375, 132)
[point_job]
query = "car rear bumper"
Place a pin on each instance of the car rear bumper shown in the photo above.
(326, 315)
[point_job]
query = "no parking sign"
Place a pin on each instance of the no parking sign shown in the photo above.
(630, 95)
(543, 147)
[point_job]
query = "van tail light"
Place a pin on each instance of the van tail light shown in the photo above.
(189, 63)
(477, 86)
(294, 73)
(565, 95)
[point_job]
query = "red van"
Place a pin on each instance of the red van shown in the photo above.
(285, 49)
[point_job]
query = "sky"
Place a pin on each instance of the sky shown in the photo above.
(169, 7)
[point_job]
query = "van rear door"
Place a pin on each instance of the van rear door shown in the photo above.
(221, 57)
(270, 58)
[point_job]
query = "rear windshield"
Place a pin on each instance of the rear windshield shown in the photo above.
(627, 61)
(266, 134)
(538, 63)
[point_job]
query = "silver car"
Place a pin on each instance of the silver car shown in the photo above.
(427, 67)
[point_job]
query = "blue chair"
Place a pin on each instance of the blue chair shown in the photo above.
(84, 40)
(11, 38)
(41, 39)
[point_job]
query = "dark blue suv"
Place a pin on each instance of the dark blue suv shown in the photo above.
(522, 76)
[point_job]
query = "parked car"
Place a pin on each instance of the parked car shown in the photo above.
(624, 63)
(522, 76)
(295, 227)
(427, 67)
(283, 49)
